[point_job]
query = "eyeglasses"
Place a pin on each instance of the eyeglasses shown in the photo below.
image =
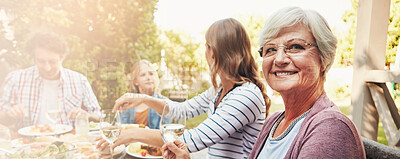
(293, 46)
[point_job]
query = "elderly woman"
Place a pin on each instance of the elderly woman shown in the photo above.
(298, 48)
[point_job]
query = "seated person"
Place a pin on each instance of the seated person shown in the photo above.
(144, 80)
(28, 93)
(298, 49)
(236, 106)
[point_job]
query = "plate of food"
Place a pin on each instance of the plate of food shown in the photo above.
(141, 150)
(44, 151)
(42, 130)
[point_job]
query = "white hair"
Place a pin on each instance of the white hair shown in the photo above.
(290, 16)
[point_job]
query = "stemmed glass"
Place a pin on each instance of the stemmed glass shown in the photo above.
(172, 128)
(53, 114)
(110, 126)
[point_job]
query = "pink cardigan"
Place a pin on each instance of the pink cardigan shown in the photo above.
(324, 133)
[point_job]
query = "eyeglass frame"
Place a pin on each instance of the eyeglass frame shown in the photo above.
(285, 47)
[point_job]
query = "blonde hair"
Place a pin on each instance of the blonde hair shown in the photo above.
(231, 46)
(135, 73)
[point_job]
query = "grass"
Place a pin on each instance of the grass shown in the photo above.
(191, 123)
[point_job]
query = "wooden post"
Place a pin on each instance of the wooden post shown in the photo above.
(370, 48)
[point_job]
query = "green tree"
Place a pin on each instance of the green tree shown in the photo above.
(253, 25)
(105, 37)
(346, 41)
(184, 56)
(393, 31)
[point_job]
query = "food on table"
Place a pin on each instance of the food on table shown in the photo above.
(93, 125)
(71, 138)
(86, 150)
(131, 126)
(48, 139)
(43, 150)
(143, 153)
(41, 129)
(144, 149)
(154, 151)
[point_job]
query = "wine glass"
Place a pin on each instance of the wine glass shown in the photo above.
(172, 128)
(53, 115)
(110, 126)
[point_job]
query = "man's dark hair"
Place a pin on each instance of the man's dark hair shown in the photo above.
(48, 41)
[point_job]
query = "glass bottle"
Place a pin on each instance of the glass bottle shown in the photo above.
(82, 124)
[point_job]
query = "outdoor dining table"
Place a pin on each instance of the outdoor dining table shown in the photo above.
(16, 136)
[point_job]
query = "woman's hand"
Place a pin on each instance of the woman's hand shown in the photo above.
(124, 138)
(175, 150)
(128, 101)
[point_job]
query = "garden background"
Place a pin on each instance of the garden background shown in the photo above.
(106, 37)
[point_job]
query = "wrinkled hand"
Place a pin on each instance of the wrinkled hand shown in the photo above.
(175, 150)
(128, 101)
(74, 112)
(17, 111)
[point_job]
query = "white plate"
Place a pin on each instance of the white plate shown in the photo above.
(138, 155)
(58, 129)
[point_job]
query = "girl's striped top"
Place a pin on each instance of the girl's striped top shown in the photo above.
(231, 129)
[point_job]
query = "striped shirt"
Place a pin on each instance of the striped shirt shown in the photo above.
(231, 129)
(24, 87)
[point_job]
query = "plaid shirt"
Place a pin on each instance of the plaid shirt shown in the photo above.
(24, 87)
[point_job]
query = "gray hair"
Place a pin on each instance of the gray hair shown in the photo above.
(290, 16)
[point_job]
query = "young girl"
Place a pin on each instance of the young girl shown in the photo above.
(144, 80)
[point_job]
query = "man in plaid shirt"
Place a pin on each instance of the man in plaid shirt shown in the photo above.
(29, 95)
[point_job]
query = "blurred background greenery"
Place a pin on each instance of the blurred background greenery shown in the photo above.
(106, 37)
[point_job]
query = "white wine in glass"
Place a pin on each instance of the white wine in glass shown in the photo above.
(172, 128)
(110, 126)
(53, 115)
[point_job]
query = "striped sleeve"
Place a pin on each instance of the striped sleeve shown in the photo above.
(239, 108)
(194, 107)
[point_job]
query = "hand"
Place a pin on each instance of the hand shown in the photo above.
(17, 112)
(101, 144)
(74, 112)
(128, 101)
(123, 138)
(175, 150)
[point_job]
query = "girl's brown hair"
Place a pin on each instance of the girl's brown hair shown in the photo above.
(231, 46)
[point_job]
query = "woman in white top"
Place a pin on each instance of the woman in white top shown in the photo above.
(236, 108)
